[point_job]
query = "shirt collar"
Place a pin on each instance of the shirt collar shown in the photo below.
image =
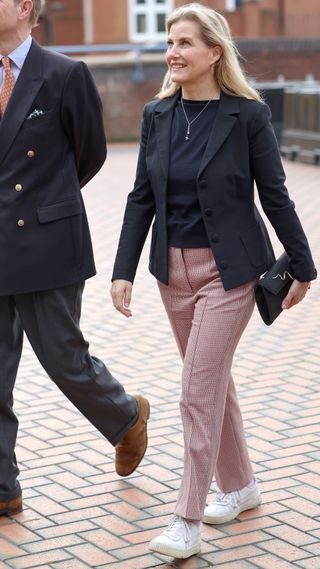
(19, 54)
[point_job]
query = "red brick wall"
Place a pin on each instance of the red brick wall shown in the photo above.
(254, 19)
(294, 59)
(215, 4)
(110, 20)
(61, 26)
(123, 99)
(302, 18)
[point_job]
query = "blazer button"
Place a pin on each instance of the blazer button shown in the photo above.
(223, 265)
(20, 222)
(215, 239)
(18, 187)
(203, 184)
(30, 153)
(208, 212)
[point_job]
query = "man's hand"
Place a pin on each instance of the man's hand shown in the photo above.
(121, 291)
(296, 293)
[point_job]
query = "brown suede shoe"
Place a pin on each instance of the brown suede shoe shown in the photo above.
(132, 447)
(11, 507)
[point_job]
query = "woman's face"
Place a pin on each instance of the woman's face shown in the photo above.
(189, 59)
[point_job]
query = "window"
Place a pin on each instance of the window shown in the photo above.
(147, 19)
(232, 4)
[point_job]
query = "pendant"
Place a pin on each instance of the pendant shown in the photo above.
(186, 137)
(188, 132)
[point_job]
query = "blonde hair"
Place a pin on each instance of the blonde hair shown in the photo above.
(214, 30)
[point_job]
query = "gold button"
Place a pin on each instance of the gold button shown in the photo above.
(21, 222)
(18, 188)
(30, 153)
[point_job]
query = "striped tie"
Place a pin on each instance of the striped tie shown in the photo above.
(7, 84)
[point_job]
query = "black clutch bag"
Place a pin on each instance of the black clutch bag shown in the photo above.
(272, 288)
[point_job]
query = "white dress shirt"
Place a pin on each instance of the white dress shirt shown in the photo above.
(17, 57)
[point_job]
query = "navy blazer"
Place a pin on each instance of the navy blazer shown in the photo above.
(52, 143)
(242, 149)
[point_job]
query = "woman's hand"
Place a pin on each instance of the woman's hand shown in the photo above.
(121, 296)
(296, 293)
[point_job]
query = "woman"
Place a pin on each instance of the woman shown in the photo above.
(204, 142)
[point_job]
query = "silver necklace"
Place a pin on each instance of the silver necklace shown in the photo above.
(189, 123)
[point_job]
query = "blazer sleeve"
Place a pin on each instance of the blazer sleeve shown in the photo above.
(82, 119)
(138, 215)
(270, 178)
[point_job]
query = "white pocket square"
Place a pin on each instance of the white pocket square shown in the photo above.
(35, 113)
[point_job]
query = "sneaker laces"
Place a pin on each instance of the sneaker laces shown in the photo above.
(228, 498)
(177, 528)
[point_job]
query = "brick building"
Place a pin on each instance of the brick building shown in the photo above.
(278, 38)
(126, 21)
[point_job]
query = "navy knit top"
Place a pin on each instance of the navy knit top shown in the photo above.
(185, 225)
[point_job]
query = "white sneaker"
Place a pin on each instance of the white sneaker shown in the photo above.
(181, 539)
(227, 506)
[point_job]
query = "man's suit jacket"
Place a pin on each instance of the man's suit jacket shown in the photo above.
(241, 149)
(52, 143)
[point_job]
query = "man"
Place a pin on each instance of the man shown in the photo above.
(51, 143)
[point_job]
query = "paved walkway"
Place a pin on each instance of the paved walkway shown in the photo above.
(79, 513)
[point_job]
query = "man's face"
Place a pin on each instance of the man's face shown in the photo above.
(9, 17)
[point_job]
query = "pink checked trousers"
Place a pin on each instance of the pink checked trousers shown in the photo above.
(207, 323)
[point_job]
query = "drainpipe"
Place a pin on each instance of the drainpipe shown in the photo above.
(88, 26)
(281, 19)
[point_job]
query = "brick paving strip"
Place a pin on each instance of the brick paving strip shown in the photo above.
(79, 513)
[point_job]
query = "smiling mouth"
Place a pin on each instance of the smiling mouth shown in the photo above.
(176, 66)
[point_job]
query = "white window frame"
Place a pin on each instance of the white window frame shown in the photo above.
(150, 9)
(231, 5)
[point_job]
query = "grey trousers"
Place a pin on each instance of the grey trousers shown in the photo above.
(50, 320)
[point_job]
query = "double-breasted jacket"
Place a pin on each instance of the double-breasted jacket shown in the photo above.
(52, 143)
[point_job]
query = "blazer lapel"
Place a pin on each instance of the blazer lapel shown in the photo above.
(25, 90)
(225, 120)
(163, 121)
